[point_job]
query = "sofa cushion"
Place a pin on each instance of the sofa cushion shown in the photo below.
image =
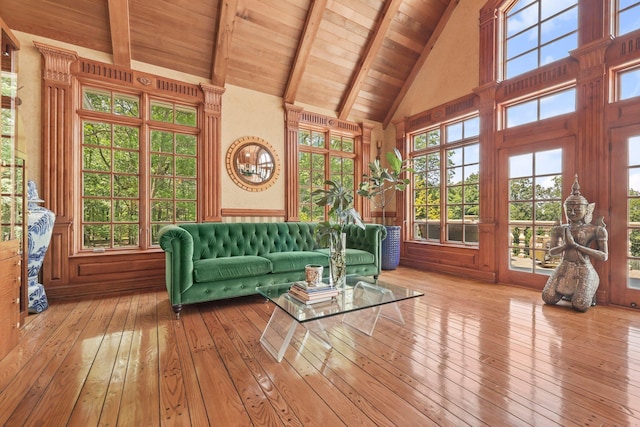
(354, 256)
(209, 270)
(295, 261)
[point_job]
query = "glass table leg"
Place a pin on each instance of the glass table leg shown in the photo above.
(278, 333)
(365, 320)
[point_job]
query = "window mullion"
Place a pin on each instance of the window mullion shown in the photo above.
(144, 219)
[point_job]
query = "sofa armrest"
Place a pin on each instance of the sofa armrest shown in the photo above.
(370, 239)
(177, 244)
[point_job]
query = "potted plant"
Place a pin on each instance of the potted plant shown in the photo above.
(379, 186)
(331, 232)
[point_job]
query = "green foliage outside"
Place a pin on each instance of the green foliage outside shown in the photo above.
(111, 165)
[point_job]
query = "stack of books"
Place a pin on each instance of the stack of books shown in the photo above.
(304, 293)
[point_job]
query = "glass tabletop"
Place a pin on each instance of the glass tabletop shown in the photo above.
(359, 293)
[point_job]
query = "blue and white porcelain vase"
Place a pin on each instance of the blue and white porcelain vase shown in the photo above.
(41, 222)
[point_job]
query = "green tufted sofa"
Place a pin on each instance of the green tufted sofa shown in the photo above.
(211, 261)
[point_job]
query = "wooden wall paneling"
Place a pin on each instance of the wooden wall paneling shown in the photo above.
(593, 155)
(554, 128)
(458, 261)
(594, 18)
(488, 52)
(488, 217)
(623, 50)
(211, 154)
(113, 273)
(401, 197)
(57, 157)
(292, 118)
(362, 164)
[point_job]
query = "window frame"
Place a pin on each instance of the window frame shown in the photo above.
(146, 126)
(618, 12)
(536, 26)
(328, 153)
(441, 149)
(295, 118)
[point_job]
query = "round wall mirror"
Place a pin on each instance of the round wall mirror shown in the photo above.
(252, 163)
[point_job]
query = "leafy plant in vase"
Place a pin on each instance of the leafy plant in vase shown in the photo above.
(331, 232)
(379, 186)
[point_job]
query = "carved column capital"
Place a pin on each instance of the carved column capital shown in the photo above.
(57, 63)
(487, 95)
(292, 115)
(212, 98)
(591, 58)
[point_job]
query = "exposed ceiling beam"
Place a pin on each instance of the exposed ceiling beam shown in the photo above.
(226, 21)
(120, 32)
(314, 17)
(421, 60)
(369, 55)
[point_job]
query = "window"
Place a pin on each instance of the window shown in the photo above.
(116, 152)
(628, 84)
(535, 204)
(541, 108)
(539, 32)
(628, 16)
(633, 212)
(323, 155)
(445, 199)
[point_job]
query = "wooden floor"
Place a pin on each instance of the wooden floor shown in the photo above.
(470, 353)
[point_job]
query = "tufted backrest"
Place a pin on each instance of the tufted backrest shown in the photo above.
(364, 239)
(212, 240)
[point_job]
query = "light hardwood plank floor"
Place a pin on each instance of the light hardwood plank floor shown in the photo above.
(470, 353)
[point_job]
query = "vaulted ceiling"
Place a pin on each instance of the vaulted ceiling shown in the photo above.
(354, 57)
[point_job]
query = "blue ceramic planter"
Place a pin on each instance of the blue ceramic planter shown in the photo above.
(391, 248)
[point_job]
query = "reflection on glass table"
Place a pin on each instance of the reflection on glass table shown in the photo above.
(361, 304)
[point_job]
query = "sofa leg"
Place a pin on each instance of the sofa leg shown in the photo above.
(176, 310)
(376, 277)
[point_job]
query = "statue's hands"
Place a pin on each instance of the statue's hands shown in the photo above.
(568, 237)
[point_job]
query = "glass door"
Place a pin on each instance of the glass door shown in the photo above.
(532, 189)
(624, 237)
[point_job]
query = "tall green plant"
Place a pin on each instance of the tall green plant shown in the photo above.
(341, 211)
(380, 184)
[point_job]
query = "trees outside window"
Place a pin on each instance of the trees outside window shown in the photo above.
(137, 174)
(323, 155)
(445, 187)
(535, 206)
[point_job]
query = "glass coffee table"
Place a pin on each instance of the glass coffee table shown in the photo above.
(360, 303)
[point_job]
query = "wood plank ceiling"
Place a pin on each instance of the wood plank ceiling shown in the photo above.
(354, 57)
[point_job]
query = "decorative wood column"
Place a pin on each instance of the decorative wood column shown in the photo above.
(364, 205)
(592, 156)
(210, 158)
(401, 211)
(591, 88)
(57, 189)
(292, 203)
(487, 112)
